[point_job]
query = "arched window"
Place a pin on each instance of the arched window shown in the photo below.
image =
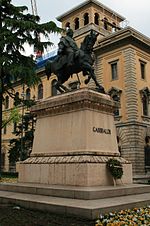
(96, 18)
(53, 88)
(28, 94)
(145, 105)
(76, 23)
(17, 94)
(67, 25)
(114, 27)
(86, 18)
(7, 102)
(40, 91)
(105, 23)
(17, 99)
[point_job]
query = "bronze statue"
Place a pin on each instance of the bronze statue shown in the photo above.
(71, 59)
(70, 46)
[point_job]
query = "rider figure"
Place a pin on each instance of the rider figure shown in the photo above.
(70, 45)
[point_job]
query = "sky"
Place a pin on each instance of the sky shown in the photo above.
(136, 12)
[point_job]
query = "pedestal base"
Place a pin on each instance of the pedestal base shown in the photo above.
(81, 170)
(74, 138)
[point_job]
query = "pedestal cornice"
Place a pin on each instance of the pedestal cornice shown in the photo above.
(73, 101)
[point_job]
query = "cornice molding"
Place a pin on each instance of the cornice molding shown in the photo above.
(124, 36)
(74, 159)
(85, 3)
(81, 99)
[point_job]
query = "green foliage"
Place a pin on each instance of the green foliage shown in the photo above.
(115, 168)
(9, 174)
(20, 147)
(12, 116)
(18, 27)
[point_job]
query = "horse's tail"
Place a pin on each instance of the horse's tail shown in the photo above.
(48, 69)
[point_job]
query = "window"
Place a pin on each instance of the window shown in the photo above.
(105, 23)
(67, 25)
(86, 18)
(40, 91)
(76, 23)
(5, 129)
(147, 152)
(145, 105)
(117, 99)
(7, 102)
(142, 66)
(115, 93)
(96, 18)
(28, 94)
(114, 70)
(145, 99)
(2, 160)
(17, 99)
(15, 127)
(114, 27)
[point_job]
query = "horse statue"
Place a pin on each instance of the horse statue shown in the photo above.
(71, 60)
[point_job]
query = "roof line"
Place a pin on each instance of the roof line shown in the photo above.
(85, 3)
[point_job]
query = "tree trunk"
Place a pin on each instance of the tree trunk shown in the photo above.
(1, 95)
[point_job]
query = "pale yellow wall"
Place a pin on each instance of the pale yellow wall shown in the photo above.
(118, 55)
(108, 83)
(142, 83)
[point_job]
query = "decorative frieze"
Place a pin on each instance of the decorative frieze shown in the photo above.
(71, 159)
(68, 102)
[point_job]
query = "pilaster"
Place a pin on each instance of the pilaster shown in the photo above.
(130, 85)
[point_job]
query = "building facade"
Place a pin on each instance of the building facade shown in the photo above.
(122, 65)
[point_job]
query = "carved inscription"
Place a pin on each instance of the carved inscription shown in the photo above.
(101, 130)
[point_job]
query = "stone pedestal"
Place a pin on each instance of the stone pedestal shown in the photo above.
(74, 138)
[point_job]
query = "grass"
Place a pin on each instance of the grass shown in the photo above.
(16, 216)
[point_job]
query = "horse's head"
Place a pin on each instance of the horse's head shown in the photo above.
(89, 41)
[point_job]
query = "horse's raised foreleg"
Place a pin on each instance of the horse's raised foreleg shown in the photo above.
(92, 75)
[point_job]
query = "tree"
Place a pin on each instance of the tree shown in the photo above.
(18, 27)
(12, 116)
(20, 147)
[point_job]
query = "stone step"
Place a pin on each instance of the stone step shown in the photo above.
(74, 192)
(89, 209)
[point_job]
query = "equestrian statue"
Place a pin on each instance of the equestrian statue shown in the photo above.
(70, 60)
